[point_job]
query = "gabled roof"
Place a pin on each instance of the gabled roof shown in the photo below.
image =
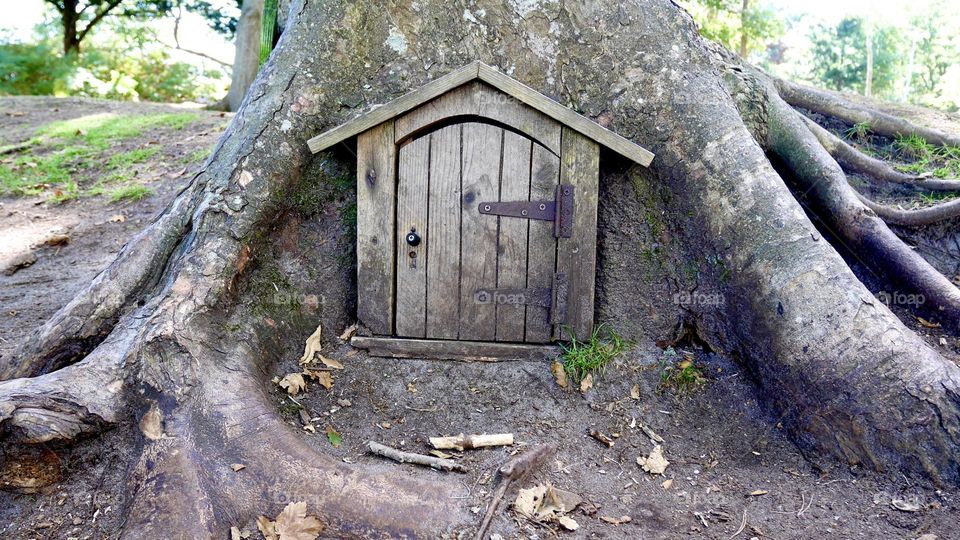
(479, 71)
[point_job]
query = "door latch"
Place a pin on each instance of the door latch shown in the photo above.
(559, 210)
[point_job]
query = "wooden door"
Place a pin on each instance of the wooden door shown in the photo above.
(447, 277)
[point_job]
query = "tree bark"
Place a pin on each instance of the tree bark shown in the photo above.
(846, 378)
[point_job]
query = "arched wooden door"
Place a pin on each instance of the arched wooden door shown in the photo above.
(464, 271)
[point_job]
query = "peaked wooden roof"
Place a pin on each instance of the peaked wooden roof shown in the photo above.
(479, 71)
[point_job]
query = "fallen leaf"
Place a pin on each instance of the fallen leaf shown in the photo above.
(441, 455)
(235, 534)
(118, 218)
(238, 467)
(330, 362)
(348, 332)
(334, 437)
(323, 377)
(311, 347)
(293, 383)
(568, 523)
(152, 423)
(586, 383)
(294, 523)
(927, 324)
(905, 506)
(412, 388)
(667, 484)
(559, 374)
(57, 240)
(654, 463)
(601, 437)
(267, 528)
(758, 492)
(635, 392)
(616, 521)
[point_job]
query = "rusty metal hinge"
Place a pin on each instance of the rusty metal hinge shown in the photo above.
(559, 210)
(553, 298)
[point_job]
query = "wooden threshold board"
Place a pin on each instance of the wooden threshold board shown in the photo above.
(440, 349)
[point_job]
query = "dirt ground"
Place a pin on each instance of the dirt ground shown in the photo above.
(732, 472)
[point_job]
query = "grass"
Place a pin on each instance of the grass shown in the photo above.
(130, 193)
(940, 161)
(859, 131)
(582, 358)
(64, 150)
(679, 374)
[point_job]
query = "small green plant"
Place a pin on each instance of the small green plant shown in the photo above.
(859, 131)
(130, 193)
(582, 358)
(680, 374)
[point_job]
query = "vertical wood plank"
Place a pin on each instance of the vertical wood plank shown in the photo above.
(577, 256)
(542, 246)
(512, 240)
(482, 146)
(412, 192)
(376, 197)
(443, 234)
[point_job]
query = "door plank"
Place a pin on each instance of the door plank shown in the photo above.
(467, 351)
(482, 147)
(542, 246)
(512, 241)
(376, 198)
(443, 234)
(412, 191)
(577, 255)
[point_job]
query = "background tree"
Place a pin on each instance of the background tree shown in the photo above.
(745, 26)
(79, 17)
(840, 56)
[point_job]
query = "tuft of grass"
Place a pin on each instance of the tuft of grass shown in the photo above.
(582, 358)
(130, 193)
(940, 161)
(679, 374)
(132, 157)
(859, 131)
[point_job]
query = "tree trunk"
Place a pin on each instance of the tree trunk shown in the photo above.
(744, 39)
(168, 326)
(868, 82)
(69, 19)
(246, 60)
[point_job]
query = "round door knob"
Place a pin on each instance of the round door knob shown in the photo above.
(413, 239)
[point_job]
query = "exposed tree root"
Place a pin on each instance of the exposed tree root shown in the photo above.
(852, 222)
(879, 122)
(913, 218)
(78, 327)
(855, 160)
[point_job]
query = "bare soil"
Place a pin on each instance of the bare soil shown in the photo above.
(732, 473)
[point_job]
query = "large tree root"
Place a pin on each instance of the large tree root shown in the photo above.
(853, 223)
(855, 160)
(913, 218)
(879, 122)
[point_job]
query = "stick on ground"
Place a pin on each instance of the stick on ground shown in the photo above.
(416, 459)
(466, 442)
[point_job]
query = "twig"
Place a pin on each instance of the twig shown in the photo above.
(743, 525)
(463, 442)
(416, 459)
(511, 471)
(805, 508)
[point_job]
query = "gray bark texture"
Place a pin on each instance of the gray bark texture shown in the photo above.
(171, 324)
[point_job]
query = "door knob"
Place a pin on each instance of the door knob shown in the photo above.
(413, 239)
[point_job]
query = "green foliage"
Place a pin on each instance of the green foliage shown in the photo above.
(581, 358)
(31, 69)
(681, 375)
(268, 29)
(923, 157)
(858, 132)
(130, 193)
(840, 56)
(726, 22)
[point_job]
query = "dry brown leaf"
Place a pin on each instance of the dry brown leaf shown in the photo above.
(927, 324)
(654, 463)
(667, 484)
(293, 383)
(294, 523)
(311, 347)
(546, 503)
(330, 362)
(267, 528)
(118, 218)
(441, 455)
(559, 374)
(348, 332)
(152, 423)
(635, 392)
(568, 523)
(586, 383)
(323, 377)
(616, 521)
(237, 467)
(758, 492)
(237, 534)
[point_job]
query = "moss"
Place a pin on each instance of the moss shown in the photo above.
(130, 193)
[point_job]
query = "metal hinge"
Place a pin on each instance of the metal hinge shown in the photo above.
(559, 210)
(553, 298)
